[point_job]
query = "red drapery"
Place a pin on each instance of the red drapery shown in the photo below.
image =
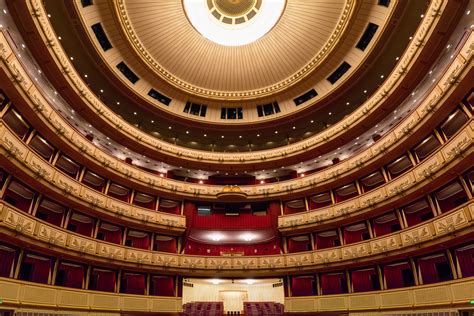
(302, 286)
(166, 245)
(74, 275)
(172, 210)
(292, 210)
(40, 269)
(466, 261)
(7, 257)
(140, 242)
(17, 200)
(428, 269)
(325, 242)
(195, 248)
(222, 221)
(394, 276)
(133, 283)
(451, 202)
(313, 205)
(189, 211)
(105, 280)
(332, 283)
(362, 280)
(149, 205)
(298, 246)
(84, 229)
(351, 237)
(383, 229)
(114, 237)
(51, 217)
(162, 286)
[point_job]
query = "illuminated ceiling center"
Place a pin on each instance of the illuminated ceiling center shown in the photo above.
(233, 22)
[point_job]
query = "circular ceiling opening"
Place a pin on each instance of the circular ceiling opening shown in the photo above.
(233, 22)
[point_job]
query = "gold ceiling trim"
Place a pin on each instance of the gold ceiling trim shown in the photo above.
(126, 27)
(433, 15)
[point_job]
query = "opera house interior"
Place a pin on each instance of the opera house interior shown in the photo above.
(236, 157)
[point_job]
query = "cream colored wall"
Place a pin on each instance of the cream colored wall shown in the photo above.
(202, 291)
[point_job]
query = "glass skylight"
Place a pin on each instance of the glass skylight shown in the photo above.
(233, 22)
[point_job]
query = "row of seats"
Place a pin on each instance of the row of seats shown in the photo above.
(263, 308)
(204, 308)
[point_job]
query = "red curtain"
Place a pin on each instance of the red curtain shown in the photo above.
(134, 283)
(51, 217)
(325, 242)
(302, 286)
(313, 205)
(74, 275)
(105, 281)
(292, 210)
(190, 211)
(298, 246)
(352, 236)
(166, 245)
(172, 210)
(466, 261)
(222, 221)
(331, 283)
(17, 200)
(383, 229)
(40, 269)
(7, 258)
(142, 243)
(84, 229)
(149, 205)
(163, 286)
(112, 236)
(274, 211)
(393, 275)
(362, 280)
(428, 269)
(453, 201)
(196, 248)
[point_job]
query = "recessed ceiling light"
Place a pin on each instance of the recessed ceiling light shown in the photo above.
(222, 136)
(276, 132)
(205, 135)
(169, 127)
(187, 132)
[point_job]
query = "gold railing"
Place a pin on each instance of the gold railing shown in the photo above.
(455, 152)
(452, 294)
(14, 150)
(20, 224)
(422, 174)
(16, 293)
(461, 65)
(420, 38)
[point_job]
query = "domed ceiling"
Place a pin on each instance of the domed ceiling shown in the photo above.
(161, 44)
(175, 42)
